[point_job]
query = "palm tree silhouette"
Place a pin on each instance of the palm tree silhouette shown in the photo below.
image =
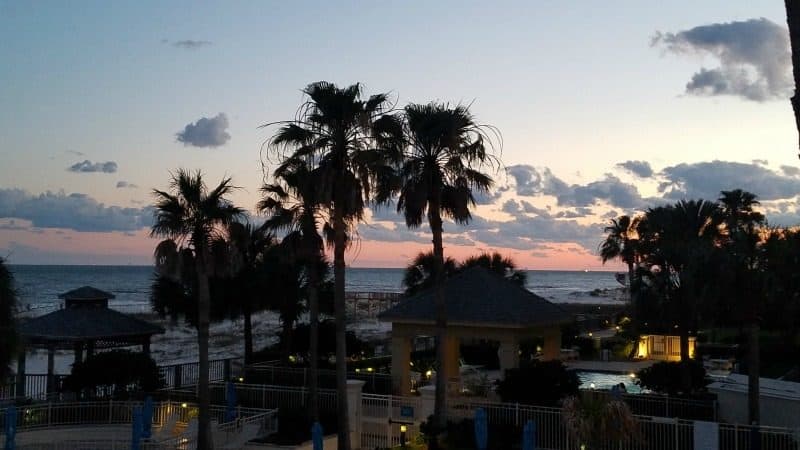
(292, 204)
(418, 275)
(8, 335)
(621, 243)
(191, 217)
(446, 150)
(353, 145)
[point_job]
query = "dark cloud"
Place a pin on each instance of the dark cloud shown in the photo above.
(761, 162)
(190, 44)
(610, 189)
(790, 171)
(754, 57)
(528, 232)
(641, 169)
(531, 181)
(575, 213)
(706, 180)
(206, 132)
(126, 185)
(87, 166)
(77, 212)
(13, 225)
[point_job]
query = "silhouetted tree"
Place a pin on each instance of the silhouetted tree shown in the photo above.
(8, 334)
(793, 21)
(418, 275)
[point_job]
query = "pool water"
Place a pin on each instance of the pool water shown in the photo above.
(602, 380)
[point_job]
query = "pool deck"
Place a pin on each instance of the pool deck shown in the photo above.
(609, 366)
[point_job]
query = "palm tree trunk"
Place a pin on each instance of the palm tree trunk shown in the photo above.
(248, 335)
(313, 335)
(341, 326)
(753, 362)
(440, 399)
(288, 337)
(204, 441)
(793, 21)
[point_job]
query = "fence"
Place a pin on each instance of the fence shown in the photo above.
(664, 405)
(176, 376)
(263, 396)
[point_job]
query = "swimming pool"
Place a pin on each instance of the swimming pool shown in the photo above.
(602, 380)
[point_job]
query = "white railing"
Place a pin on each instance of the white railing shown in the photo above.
(271, 397)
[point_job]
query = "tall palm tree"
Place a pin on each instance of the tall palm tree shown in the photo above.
(191, 217)
(353, 144)
(742, 227)
(793, 21)
(249, 247)
(621, 243)
(293, 206)
(678, 241)
(446, 150)
(8, 307)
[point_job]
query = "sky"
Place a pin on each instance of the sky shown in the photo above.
(605, 108)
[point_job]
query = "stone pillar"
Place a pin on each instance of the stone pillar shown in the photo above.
(401, 362)
(21, 373)
(354, 388)
(552, 343)
(508, 353)
(451, 370)
(51, 364)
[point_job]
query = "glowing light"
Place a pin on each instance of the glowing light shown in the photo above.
(358, 370)
(591, 385)
(632, 375)
(184, 405)
(403, 428)
(241, 379)
(429, 373)
(590, 334)
(370, 369)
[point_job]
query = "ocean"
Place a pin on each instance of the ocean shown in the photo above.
(38, 288)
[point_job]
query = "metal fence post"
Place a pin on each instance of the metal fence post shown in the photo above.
(110, 410)
(516, 414)
(177, 376)
(49, 413)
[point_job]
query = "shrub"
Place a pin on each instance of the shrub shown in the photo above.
(539, 383)
(294, 426)
(666, 377)
(121, 371)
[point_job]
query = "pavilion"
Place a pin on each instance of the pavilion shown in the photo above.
(480, 305)
(83, 323)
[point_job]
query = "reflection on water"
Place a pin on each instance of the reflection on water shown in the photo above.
(603, 380)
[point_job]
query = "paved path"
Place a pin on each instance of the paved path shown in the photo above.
(609, 366)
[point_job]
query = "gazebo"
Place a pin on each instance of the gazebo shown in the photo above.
(84, 323)
(480, 305)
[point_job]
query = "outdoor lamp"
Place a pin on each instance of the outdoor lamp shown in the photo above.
(403, 430)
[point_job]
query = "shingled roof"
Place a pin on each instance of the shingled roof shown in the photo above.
(70, 325)
(477, 297)
(86, 293)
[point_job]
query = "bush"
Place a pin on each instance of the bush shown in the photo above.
(121, 371)
(294, 426)
(539, 383)
(461, 435)
(666, 377)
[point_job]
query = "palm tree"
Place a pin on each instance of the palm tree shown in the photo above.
(8, 307)
(292, 203)
(353, 144)
(418, 275)
(191, 217)
(249, 247)
(677, 242)
(621, 243)
(446, 150)
(793, 21)
(742, 226)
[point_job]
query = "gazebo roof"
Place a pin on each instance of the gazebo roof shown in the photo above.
(69, 325)
(478, 298)
(86, 293)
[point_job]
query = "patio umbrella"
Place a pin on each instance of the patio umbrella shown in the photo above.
(230, 402)
(136, 429)
(147, 418)
(11, 427)
(481, 429)
(529, 436)
(316, 436)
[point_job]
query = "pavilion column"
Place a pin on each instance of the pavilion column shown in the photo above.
(78, 352)
(89, 349)
(508, 353)
(450, 370)
(401, 364)
(21, 373)
(146, 347)
(51, 364)
(552, 343)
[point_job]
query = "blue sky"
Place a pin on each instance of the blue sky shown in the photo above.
(575, 88)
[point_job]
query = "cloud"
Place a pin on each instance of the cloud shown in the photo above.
(87, 166)
(529, 232)
(125, 184)
(75, 211)
(706, 180)
(13, 225)
(190, 44)
(206, 132)
(641, 169)
(790, 171)
(531, 181)
(754, 58)
(611, 189)
(761, 162)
